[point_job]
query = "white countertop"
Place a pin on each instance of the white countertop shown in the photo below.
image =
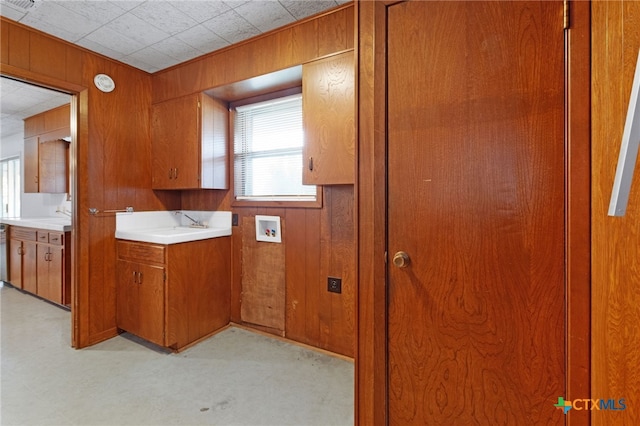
(171, 227)
(60, 224)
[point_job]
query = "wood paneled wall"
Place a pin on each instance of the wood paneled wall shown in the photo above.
(111, 146)
(319, 242)
(310, 39)
(615, 241)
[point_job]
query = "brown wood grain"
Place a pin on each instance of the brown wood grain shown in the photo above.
(578, 209)
(263, 279)
(476, 170)
(279, 49)
(328, 114)
(616, 242)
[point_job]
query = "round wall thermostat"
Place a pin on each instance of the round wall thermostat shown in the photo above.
(104, 82)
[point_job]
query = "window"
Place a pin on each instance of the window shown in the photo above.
(10, 184)
(268, 141)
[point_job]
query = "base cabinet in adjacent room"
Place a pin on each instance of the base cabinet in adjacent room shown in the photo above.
(40, 263)
(173, 295)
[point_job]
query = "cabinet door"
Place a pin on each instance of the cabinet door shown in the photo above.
(328, 104)
(15, 262)
(175, 143)
(29, 265)
(140, 300)
(52, 154)
(49, 272)
(31, 164)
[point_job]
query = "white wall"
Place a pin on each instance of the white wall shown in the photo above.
(32, 205)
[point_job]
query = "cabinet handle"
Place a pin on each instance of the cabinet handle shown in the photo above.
(170, 174)
(20, 251)
(175, 173)
(135, 277)
(139, 277)
(311, 163)
(35, 179)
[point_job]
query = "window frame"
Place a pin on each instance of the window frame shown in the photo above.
(18, 193)
(317, 203)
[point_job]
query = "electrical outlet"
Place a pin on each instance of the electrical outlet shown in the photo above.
(234, 219)
(334, 285)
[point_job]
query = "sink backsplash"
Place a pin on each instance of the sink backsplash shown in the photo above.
(161, 219)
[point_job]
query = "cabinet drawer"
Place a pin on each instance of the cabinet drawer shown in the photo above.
(43, 237)
(56, 238)
(141, 252)
(26, 234)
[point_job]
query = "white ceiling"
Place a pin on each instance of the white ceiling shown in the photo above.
(150, 35)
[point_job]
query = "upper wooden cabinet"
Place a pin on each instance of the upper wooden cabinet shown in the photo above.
(189, 143)
(328, 105)
(46, 151)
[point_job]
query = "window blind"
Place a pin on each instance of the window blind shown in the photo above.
(268, 141)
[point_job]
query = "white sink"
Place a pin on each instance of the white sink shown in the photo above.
(172, 235)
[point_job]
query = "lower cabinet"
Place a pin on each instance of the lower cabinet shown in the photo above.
(40, 263)
(173, 295)
(22, 258)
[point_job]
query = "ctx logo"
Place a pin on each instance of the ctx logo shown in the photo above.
(590, 404)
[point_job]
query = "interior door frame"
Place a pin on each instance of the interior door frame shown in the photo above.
(79, 95)
(371, 345)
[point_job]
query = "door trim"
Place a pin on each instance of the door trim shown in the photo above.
(371, 345)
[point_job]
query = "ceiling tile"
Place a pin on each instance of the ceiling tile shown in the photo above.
(231, 27)
(100, 11)
(203, 39)
(60, 21)
(164, 16)
(201, 11)
(177, 49)
(301, 9)
(11, 13)
(137, 29)
(113, 40)
(265, 15)
(151, 56)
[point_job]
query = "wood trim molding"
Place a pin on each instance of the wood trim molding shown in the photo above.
(578, 214)
(371, 352)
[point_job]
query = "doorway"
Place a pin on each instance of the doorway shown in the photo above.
(22, 99)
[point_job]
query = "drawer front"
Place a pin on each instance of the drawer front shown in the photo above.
(27, 234)
(43, 237)
(56, 238)
(141, 252)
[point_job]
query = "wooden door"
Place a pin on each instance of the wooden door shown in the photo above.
(476, 317)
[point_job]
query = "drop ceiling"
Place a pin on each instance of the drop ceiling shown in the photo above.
(150, 35)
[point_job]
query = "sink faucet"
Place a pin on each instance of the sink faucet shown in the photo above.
(196, 223)
(63, 211)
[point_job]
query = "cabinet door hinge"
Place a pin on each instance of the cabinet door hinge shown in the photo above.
(566, 23)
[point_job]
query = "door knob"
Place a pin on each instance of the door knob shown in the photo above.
(401, 259)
